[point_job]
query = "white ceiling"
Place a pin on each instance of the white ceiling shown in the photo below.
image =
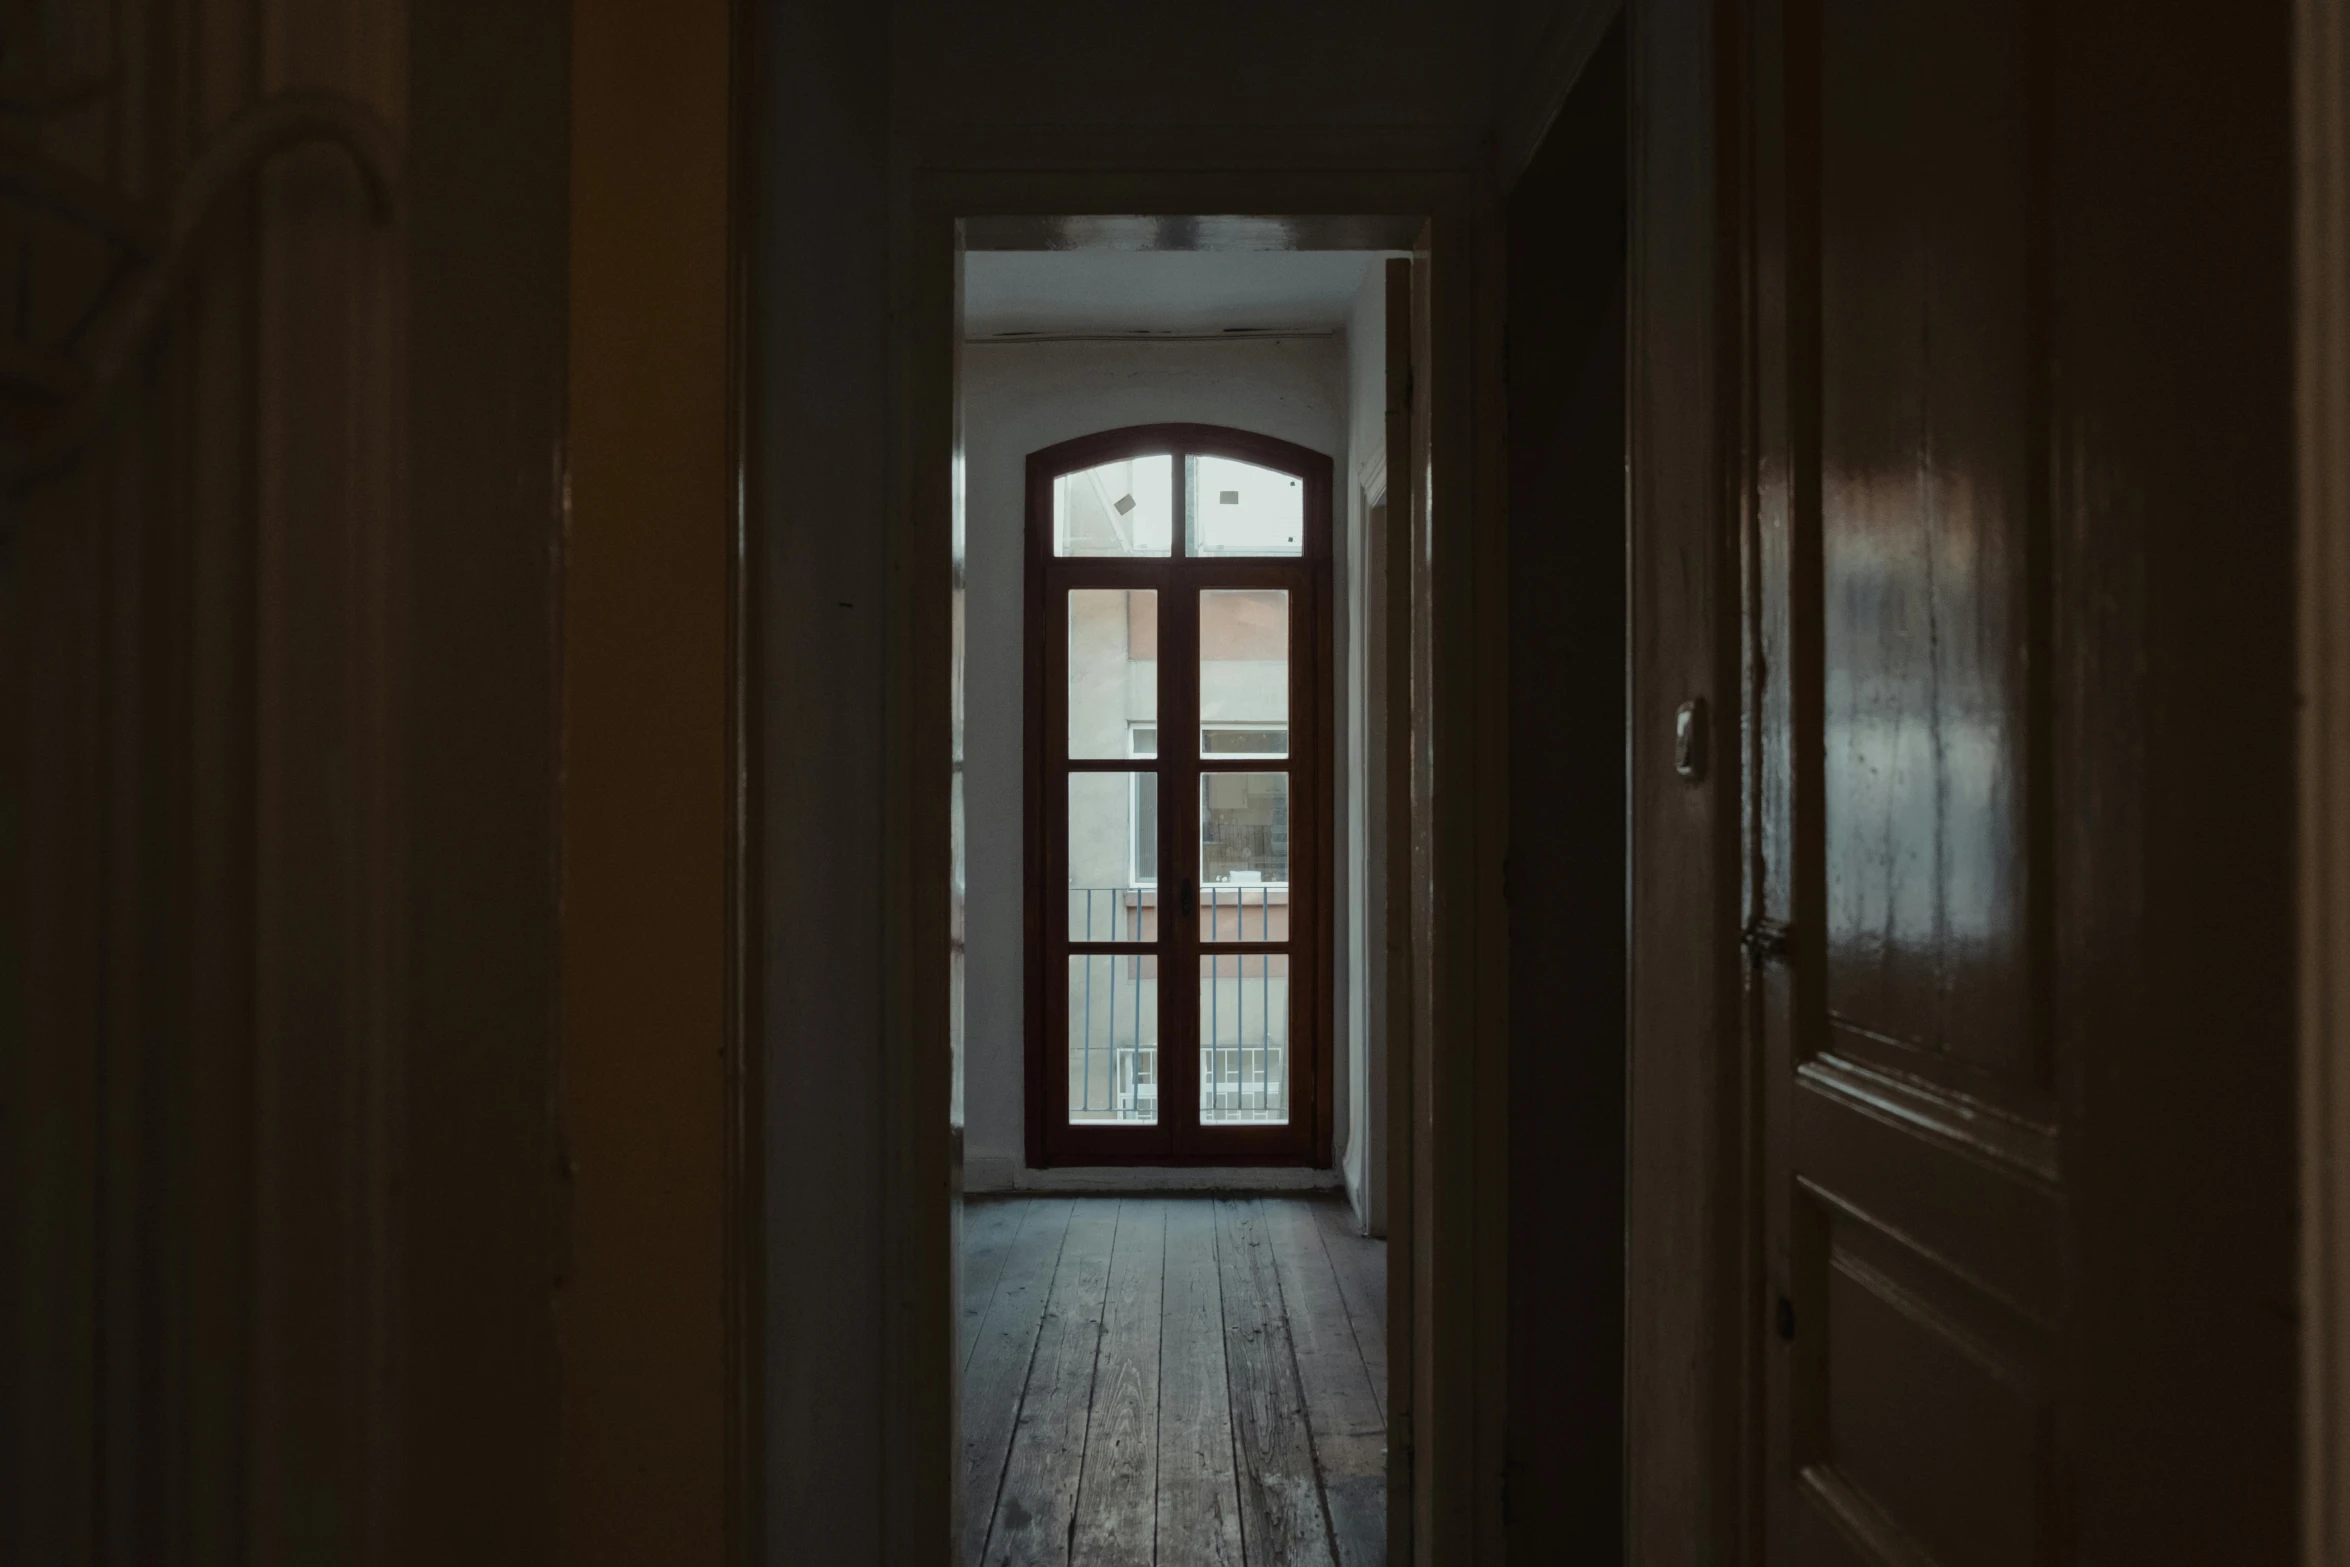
(1100, 292)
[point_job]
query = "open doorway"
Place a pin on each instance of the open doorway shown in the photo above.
(1173, 1281)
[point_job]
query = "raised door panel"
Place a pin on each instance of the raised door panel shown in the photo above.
(1926, 490)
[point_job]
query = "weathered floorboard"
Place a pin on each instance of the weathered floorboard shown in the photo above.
(1117, 1498)
(1280, 1501)
(1141, 1391)
(1036, 1510)
(988, 1228)
(998, 1367)
(1361, 1265)
(1349, 1433)
(1199, 1498)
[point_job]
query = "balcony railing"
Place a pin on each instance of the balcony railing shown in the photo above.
(1243, 1000)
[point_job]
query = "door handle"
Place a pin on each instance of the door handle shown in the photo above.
(1187, 897)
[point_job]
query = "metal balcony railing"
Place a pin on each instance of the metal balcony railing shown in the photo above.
(1243, 1000)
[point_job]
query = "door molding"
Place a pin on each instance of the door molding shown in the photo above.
(1446, 1284)
(1690, 1199)
(2322, 61)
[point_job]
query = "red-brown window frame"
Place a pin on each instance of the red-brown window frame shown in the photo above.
(1180, 1140)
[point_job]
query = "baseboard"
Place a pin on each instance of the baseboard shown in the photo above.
(990, 1172)
(1170, 1179)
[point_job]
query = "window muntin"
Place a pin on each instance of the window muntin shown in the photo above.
(1216, 741)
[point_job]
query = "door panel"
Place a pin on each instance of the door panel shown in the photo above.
(1927, 469)
(1914, 1201)
(1973, 1239)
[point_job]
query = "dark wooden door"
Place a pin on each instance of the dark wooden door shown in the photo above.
(1179, 854)
(1913, 1187)
(1996, 1197)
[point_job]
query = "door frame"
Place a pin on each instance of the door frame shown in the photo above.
(1445, 1269)
(849, 475)
(2322, 64)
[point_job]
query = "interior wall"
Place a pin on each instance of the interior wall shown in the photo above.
(481, 1213)
(986, 112)
(1566, 221)
(821, 498)
(639, 1311)
(1362, 484)
(1017, 399)
(1014, 83)
(278, 771)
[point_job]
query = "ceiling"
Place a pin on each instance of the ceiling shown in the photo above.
(1089, 293)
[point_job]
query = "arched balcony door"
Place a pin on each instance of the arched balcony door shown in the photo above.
(1179, 843)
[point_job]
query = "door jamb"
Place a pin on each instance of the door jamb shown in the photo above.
(2322, 65)
(1452, 1274)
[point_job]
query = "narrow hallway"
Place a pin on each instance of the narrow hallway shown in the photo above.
(1190, 1380)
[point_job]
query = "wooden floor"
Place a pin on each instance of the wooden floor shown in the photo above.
(1180, 1381)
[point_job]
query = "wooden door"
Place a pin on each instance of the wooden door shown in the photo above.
(1179, 854)
(1997, 1196)
(1914, 1192)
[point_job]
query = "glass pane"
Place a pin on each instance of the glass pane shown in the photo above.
(1146, 829)
(1114, 1038)
(1243, 830)
(1238, 508)
(1223, 740)
(1244, 672)
(1243, 1037)
(1113, 672)
(1121, 508)
(1110, 899)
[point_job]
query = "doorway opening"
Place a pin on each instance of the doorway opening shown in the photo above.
(1172, 1267)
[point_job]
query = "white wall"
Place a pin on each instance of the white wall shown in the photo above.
(1019, 398)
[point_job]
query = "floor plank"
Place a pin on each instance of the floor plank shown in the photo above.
(1036, 1510)
(988, 1228)
(1281, 1518)
(1117, 1497)
(1199, 1497)
(1232, 1410)
(1349, 1433)
(998, 1367)
(1361, 1265)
